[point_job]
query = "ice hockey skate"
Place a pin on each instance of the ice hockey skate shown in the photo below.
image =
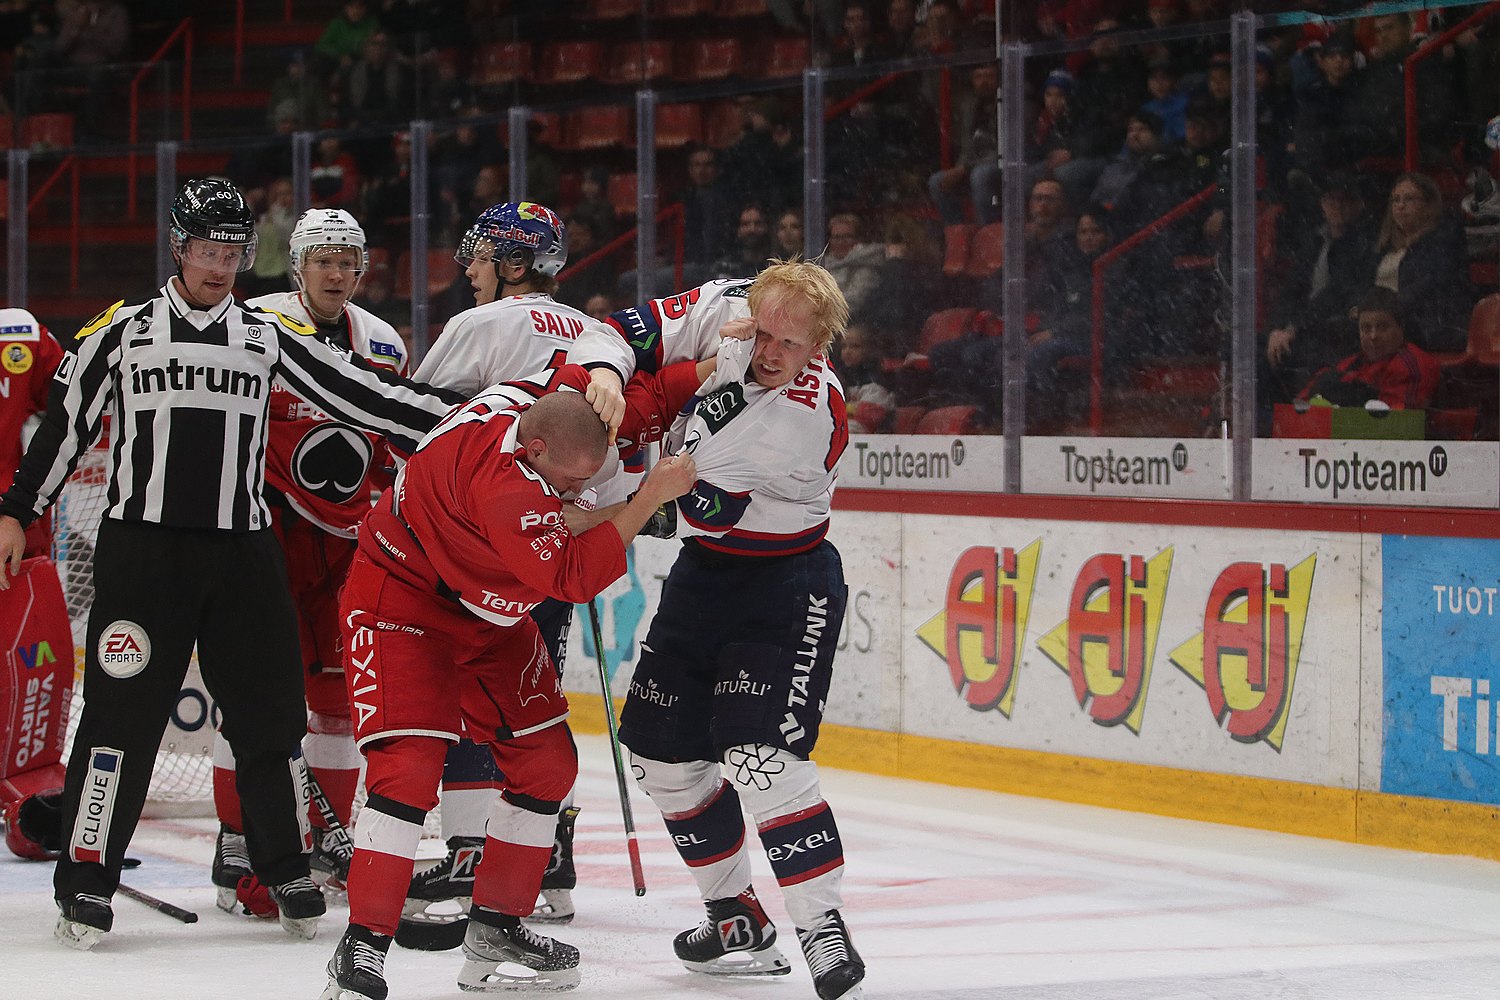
(735, 939)
(501, 954)
(836, 967)
(556, 903)
(332, 854)
(299, 904)
(357, 969)
(436, 912)
(231, 863)
(85, 918)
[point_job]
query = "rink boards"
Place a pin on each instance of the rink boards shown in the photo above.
(1330, 671)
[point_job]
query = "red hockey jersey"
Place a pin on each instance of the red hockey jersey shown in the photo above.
(327, 470)
(28, 358)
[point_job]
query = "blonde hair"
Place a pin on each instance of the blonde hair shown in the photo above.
(786, 281)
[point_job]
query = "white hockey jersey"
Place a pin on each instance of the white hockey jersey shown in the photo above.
(681, 327)
(767, 458)
(503, 340)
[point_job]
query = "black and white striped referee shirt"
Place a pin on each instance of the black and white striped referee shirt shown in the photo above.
(188, 391)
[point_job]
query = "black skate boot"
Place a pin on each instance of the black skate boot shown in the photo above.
(332, 854)
(736, 939)
(501, 954)
(85, 918)
(300, 904)
(437, 902)
(836, 967)
(559, 880)
(231, 863)
(357, 969)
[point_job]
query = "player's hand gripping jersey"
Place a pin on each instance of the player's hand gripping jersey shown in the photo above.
(766, 457)
(504, 544)
(328, 470)
(677, 328)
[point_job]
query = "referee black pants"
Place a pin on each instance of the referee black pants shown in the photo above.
(157, 591)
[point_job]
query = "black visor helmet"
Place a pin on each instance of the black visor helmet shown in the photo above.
(213, 210)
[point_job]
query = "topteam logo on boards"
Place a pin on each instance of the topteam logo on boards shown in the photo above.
(883, 461)
(1109, 469)
(1246, 657)
(1370, 475)
(982, 627)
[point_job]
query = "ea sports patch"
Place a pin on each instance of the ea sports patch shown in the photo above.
(16, 358)
(124, 649)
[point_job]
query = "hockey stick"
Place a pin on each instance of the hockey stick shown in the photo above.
(631, 845)
(160, 906)
(325, 809)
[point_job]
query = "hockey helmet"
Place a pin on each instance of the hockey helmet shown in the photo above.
(213, 210)
(326, 228)
(33, 826)
(518, 233)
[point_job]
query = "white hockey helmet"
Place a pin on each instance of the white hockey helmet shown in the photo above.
(331, 228)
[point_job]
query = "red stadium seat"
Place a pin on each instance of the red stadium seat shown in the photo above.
(597, 128)
(608, 10)
(681, 8)
(570, 62)
(723, 124)
(788, 58)
(442, 271)
(622, 192)
(631, 62)
(944, 325)
(742, 8)
(869, 415)
(712, 59)
(551, 133)
(906, 419)
(499, 63)
(956, 240)
(986, 251)
(678, 125)
(950, 420)
(50, 131)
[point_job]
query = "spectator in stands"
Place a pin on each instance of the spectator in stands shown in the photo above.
(488, 189)
(334, 176)
(1383, 94)
(457, 159)
(271, 271)
(1049, 239)
(859, 43)
(449, 94)
(970, 185)
(423, 29)
(377, 88)
(765, 162)
(387, 199)
(1143, 141)
(907, 282)
(752, 246)
(38, 48)
(302, 96)
(1218, 89)
(706, 210)
(1330, 131)
(790, 235)
(938, 34)
(594, 208)
(593, 277)
(867, 394)
(376, 293)
(1387, 367)
(1064, 318)
(1166, 101)
(599, 306)
(901, 28)
(1048, 140)
(1327, 270)
(820, 18)
(91, 36)
(1422, 259)
(855, 265)
(1109, 88)
(344, 39)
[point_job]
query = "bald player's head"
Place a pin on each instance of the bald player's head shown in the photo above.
(565, 440)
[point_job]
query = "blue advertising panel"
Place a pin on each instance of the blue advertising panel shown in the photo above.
(1441, 635)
